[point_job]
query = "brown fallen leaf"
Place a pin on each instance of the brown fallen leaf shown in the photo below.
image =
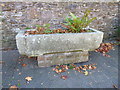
(83, 68)
(63, 70)
(64, 77)
(60, 71)
(24, 65)
(93, 67)
(66, 67)
(28, 78)
(90, 67)
(57, 71)
(108, 56)
(57, 67)
(80, 71)
(80, 67)
(14, 87)
(105, 48)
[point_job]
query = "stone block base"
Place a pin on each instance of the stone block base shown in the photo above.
(62, 58)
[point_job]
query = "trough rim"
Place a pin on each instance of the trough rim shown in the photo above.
(23, 31)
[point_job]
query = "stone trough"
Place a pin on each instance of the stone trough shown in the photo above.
(54, 49)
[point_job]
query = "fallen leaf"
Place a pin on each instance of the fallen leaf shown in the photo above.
(24, 65)
(84, 69)
(80, 67)
(90, 67)
(57, 67)
(86, 73)
(85, 66)
(94, 67)
(57, 71)
(28, 78)
(60, 71)
(64, 77)
(80, 71)
(63, 70)
(66, 67)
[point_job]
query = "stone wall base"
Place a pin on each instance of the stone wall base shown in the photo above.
(62, 58)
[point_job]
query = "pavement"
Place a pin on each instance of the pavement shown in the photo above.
(14, 73)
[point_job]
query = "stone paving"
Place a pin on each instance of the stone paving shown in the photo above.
(104, 76)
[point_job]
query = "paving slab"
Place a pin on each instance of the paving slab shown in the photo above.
(104, 76)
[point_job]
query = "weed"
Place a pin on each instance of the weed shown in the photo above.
(76, 24)
(28, 28)
(44, 28)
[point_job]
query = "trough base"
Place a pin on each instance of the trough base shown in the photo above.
(62, 58)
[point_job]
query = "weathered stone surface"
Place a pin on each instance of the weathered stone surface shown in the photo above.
(21, 43)
(35, 45)
(62, 58)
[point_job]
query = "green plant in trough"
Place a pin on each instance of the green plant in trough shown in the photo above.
(45, 28)
(76, 24)
(28, 28)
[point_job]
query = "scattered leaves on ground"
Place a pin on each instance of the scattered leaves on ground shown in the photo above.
(105, 48)
(82, 69)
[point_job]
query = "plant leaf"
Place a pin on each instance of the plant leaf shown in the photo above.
(73, 16)
(71, 67)
(27, 28)
(38, 25)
